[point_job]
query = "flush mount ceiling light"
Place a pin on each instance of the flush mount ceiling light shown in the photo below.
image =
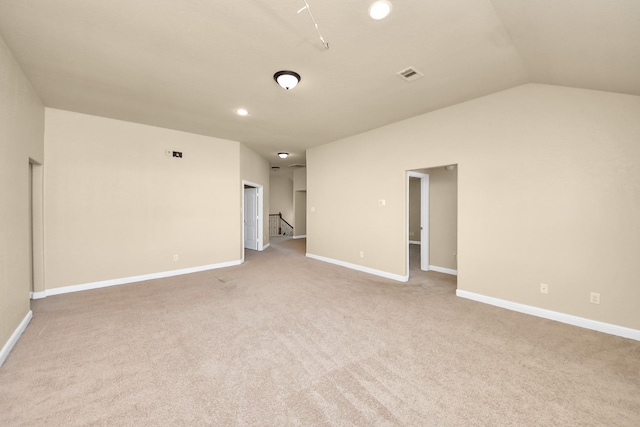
(242, 112)
(283, 155)
(380, 9)
(287, 79)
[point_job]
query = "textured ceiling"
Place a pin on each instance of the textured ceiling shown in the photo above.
(188, 65)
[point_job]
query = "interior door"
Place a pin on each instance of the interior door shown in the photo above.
(251, 218)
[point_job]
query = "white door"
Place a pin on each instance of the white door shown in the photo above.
(251, 218)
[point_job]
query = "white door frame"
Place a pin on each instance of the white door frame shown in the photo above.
(424, 219)
(260, 209)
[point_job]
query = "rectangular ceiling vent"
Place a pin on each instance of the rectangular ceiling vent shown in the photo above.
(297, 165)
(409, 74)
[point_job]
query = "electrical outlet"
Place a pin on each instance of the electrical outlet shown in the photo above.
(595, 298)
(361, 254)
(175, 257)
(382, 202)
(544, 288)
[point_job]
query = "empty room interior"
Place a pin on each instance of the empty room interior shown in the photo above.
(456, 187)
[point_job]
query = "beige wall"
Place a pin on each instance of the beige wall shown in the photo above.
(300, 179)
(281, 199)
(117, 206)
(300, 202)
(21, 138)
(255, 168)
(548, 192)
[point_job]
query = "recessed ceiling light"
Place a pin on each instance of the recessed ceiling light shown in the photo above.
(380, 9)
(242, 112)
(283, 155)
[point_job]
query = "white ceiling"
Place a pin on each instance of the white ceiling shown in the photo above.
(188, 65)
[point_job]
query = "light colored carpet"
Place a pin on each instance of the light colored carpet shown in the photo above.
(286, 340)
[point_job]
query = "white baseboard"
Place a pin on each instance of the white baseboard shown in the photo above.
(304, 236)
(134, 279)
(415, 242)
(37, 295)
(360, 268)
(443, 270)
(13, 339)
(595, 325)
(265, 246)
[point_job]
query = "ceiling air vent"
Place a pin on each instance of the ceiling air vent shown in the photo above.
(297, 165)
(409, 74)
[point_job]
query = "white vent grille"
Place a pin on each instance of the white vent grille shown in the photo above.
(409, 74)
(297, 165)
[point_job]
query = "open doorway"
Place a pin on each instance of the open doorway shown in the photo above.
(432, 220)
(36, 230)
(252, 217)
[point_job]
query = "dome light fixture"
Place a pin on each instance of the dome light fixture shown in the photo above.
(242, 112)
(380, 9)
(283, 155)
(287, 79)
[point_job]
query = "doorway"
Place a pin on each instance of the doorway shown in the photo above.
(432, 220)
(252, 217)
(419, 235)
(36, 231)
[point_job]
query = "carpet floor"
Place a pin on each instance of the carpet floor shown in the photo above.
(286, 340)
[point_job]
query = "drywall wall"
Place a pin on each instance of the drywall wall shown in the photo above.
(548, 192)
(21, 139)
(255, 168)
(117, 206)
(281, 198)
(300, 202)
(300, 225)
(300, 179)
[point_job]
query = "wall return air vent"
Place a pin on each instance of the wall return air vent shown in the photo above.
(409, 74)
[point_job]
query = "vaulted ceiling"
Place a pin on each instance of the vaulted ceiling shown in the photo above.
(188, 65)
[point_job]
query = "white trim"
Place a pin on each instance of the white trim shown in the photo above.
(38, 295)
(443, 270)
(415, 242)
(13, 339)
(304, 236)
(359, 268)
(595, 325)
(265, 246)
(134, 279)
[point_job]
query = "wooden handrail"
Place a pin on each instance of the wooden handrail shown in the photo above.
(279, 214)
